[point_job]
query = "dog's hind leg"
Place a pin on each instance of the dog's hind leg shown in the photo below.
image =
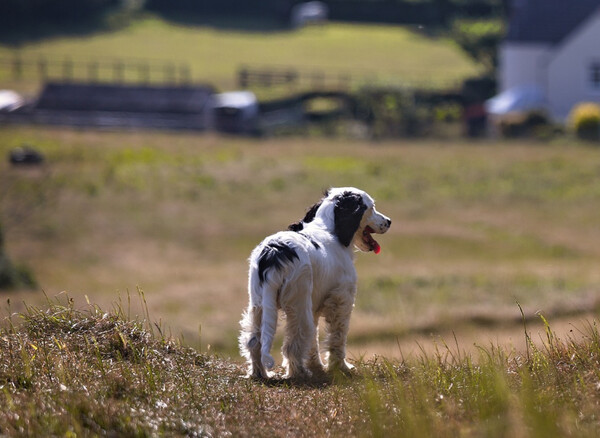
(250, 345)
(300, 327)
(297, 342)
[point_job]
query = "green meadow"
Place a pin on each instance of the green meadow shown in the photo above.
(215, 51)
(478, 317)
(477, 227)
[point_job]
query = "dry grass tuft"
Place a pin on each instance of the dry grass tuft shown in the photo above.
(68, 372)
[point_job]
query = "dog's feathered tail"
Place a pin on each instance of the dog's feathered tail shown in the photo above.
(259, 323)
(268, 325)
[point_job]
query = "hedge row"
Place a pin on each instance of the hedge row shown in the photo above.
(15, 12)
(427, 12)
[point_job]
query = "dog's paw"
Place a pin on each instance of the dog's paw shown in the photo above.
(346, 367)
(317, 369)
(258, 373)
(268, 361)
(341, 368)
(298, 375)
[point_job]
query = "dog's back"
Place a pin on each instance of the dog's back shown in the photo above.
(280, 276)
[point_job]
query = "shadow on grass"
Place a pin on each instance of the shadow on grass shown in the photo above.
(20, 34)
(314, 382)
(281, 382)
(238, 23)
(35, 30)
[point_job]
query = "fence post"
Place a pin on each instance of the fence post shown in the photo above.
(291, 78)
(43, 68)
(169, 71)
(243, 76)
(184, 74)
(17, 67)
(266, 78)
(318, 79)
(68, 69)
(144, 72)
(93, 71)
(118, 68)
(344, 81)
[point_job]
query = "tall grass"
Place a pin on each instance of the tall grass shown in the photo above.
(72, 372)
(549, 391)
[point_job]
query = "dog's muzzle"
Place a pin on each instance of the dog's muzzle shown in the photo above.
(382, 226)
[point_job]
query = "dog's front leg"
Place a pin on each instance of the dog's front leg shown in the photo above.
(337, 310)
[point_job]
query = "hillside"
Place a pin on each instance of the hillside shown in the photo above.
(68, 372)
(215, 51)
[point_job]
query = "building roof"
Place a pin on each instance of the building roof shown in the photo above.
(547, 21)
(125, 98)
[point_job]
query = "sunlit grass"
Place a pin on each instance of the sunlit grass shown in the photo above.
(71, 372)
(475, 226)
(374, 52)
(481, 232)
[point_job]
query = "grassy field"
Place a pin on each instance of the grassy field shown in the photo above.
(478, 318)
(215, 51)
(477, 228)
(65, 372)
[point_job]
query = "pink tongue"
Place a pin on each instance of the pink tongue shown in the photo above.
(373, 242)
(377, 248)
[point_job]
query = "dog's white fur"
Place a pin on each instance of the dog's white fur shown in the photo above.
(308, 273)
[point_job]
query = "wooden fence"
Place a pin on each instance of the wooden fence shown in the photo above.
(115, 70)
(140, 71)
(298, 80)
(266, 77)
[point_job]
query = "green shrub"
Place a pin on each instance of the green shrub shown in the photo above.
(479, 39)
(584, 120)
(533, 124)
(392, 112)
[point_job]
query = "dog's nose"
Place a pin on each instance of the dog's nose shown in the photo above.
(389, 223)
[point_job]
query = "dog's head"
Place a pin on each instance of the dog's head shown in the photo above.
(351, 215)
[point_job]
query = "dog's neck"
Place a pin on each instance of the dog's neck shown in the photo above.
(318, 225)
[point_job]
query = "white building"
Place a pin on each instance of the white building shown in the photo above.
(553, 48)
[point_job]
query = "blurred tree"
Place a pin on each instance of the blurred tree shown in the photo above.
(265, 8)
(480, 39)
(14, 13)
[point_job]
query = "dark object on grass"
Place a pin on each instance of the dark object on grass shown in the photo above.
(25, 155)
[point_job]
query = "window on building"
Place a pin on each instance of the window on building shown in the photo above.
(595, 76)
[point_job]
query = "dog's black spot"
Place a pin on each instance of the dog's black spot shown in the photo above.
(296, 226)
(274, 255)
(348, 211)
(310, 215)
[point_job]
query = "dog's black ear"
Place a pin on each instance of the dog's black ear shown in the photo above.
(348, 212)
(310, 215)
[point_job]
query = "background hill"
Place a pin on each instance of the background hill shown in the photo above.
(215, 51)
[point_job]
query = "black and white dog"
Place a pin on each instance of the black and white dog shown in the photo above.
(308, 272)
